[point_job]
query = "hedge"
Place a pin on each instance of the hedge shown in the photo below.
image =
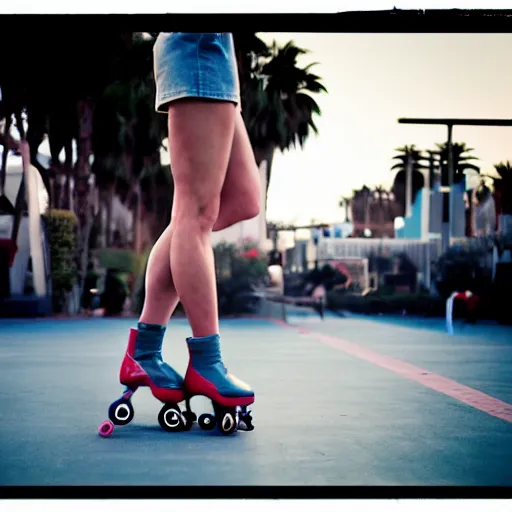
(373, 303)
(61, 228)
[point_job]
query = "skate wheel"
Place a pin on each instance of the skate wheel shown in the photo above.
(246, 422)
(189, 417)
(206, 421)
(121, 412)
(171, 419)
(228, 423)
(106, 429)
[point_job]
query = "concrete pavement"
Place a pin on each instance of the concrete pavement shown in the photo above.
(322, 415)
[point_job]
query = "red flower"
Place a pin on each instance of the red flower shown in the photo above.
(252, 253)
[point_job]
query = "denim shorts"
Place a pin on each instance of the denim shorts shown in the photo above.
(195, 65)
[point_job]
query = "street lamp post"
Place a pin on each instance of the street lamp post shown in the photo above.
(408, 186)
(448, 216)
(448, 213)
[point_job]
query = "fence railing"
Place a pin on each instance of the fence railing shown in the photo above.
(420, 252)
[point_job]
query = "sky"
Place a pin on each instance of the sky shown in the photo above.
(372, 80)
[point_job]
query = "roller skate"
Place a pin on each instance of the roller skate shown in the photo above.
(143, 366)
(207, 376)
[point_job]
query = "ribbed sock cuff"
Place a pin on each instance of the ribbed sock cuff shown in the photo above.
(141, 326)
(203, 339)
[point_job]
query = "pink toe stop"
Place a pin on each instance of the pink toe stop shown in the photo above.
(106, 429)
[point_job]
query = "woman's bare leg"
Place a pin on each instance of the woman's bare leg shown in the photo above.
(200, 140)
(240, 199)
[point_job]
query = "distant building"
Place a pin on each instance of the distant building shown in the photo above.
(373, 213)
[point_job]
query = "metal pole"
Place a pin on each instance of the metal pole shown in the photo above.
(451, 176)
(408, 186)
(428, 270)
(446, 230)
(295, 253)
(425, 223)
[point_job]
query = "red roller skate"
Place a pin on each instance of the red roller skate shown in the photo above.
(143, 366)
(207, 376)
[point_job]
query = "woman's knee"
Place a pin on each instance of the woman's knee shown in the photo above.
(242, 202)
(202, 211)
(237, 209)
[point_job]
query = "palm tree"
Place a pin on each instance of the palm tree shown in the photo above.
(361, 208)
(461, 161)
(380, 194)
(6, 206)
(410, 160)
(345, 202)
(57, 94)
(503, 194)
(277, 106)
(249, 49)
(127, 142)
(107, 166)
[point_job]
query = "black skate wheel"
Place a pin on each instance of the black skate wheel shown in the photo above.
(246, 422)
(189, 417)
(171, 419)
(121, 412)
(206, 421)
(228, 423)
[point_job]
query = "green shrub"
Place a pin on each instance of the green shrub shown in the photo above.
(61, 228)
(378, 303)
(503, 241)
(238, 268)
(116, 291)
(139, 287)
(127, 271)
(463, 268)
(240, 262)
(122, 260)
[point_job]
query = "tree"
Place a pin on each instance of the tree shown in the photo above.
(277, 106)
(381, 196)
(461, 161)
(249, 49)
(408, 158)
(503, 195)
(345, 202)
(128, 137)
(57, 94)
(6, 206)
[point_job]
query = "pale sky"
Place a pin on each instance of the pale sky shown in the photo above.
(373, 79)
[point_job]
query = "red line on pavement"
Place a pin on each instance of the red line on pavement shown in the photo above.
(465, 394)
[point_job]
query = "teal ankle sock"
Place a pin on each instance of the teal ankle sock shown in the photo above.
(141, 326)
(149, 339)
(148, 353)
(211, 337)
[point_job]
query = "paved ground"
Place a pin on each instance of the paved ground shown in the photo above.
(323, 416)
